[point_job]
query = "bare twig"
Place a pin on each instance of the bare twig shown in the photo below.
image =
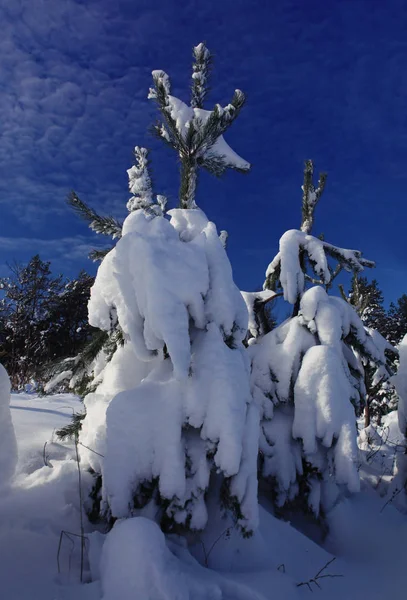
(45, 457)
(207, 554)
(319, 575)
(87, 447)
(68, 535)
(395, 493)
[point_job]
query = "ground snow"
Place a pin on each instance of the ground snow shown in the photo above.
(42, 501)
(366, 534)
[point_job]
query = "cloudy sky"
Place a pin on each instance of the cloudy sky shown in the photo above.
(325, 80)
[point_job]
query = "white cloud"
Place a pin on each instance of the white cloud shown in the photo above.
(64, 104)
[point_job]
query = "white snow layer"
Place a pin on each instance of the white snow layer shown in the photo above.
(304, 388)
(56, 380)
(184, 114)
(400, 381)
(136, 563)
(8, 444)
(251, 298)
(170, 284)
(288, 261)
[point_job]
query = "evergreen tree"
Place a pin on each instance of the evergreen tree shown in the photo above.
(171, 421)
(396, 327)
(28, 294)
(367, 299)
(307, 373)
(68, 318)
(194, 133)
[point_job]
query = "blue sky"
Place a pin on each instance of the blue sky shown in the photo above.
(325, 80)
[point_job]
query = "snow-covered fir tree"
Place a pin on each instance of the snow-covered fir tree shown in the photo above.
(367, 299)
(381, 397)
(396, 324)
(171, 425)
(307, 374)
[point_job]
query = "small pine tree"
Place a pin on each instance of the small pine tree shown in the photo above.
(28, 295)
(367, 299)
(194, 133)
(307, 373)
(171, 421)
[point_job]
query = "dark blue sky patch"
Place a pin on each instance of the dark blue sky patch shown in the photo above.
(324, 80)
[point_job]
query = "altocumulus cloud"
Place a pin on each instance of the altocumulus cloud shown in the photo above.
(66, 99)
(64, 253)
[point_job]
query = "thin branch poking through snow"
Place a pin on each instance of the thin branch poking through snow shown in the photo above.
(319, 575)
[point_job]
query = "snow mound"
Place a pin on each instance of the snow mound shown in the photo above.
(158, 574)
(138, 562)
(8, 444)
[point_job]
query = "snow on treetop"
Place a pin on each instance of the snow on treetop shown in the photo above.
(286, 265)
(152, 262)
(183, 115)
(139, 181)
(162, 77)
(201, 49)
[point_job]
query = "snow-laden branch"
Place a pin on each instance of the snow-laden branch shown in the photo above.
(288, 267)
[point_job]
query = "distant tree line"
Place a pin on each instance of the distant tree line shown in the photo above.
(43, 320)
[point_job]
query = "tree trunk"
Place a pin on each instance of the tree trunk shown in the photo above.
(367, 414)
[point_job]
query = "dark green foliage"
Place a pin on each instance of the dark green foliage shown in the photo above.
(97, 255)
(263, 315)
(70, 431)
(194, 146)
(93, 511)
(200, 75)
(231, 504)
(29, 295)
(396, 325)
(367, 299)
(104, 225)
